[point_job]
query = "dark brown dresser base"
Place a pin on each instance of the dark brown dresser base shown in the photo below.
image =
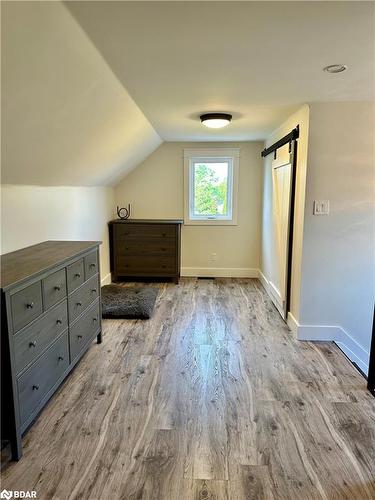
(145, 249)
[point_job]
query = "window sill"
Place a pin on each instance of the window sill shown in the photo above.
(210, 222)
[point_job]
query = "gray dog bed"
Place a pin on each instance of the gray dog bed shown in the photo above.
(128, 302)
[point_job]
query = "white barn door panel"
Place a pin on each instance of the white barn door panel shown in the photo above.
(282, 190)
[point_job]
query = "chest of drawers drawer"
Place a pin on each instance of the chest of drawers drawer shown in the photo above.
(26, 305)
(39, 379)
(156, 247)
(150, 264)
(145, 232)
(75, 275)
(91, 264)
(30, 342)
(54, 288)
(84, 330)
(82, 297)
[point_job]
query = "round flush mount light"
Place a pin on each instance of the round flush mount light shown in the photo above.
(335, 68)
(216, 120)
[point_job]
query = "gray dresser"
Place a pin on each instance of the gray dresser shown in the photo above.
(51, 312)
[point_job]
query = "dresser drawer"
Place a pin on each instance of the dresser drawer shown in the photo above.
(84, 330)
(145, 231)
(35, 383)
(75, 274)
(150, 264)
(26, 305)
(54, 288)
(83, 297)
(30, 342)
(91, 264)
(156, 247)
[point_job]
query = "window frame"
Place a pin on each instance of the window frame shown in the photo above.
(214, 155)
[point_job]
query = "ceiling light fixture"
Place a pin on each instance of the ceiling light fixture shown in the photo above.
(216, 120)
(335, 68)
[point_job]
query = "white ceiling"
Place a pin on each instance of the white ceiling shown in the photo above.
(257, 60)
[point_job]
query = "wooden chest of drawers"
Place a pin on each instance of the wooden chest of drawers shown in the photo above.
(50, 300)
(145, 249)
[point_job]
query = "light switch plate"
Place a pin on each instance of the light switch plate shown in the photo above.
(321, 207)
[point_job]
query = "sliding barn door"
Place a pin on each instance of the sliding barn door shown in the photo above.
(282, 177)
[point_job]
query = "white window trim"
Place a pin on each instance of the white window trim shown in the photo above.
(211, 154)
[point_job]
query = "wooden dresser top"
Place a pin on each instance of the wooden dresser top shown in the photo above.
(21, 264)
(146, 221)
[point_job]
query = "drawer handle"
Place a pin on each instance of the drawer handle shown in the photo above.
(77, 275)
(30, 305)
(92, 265)
(57, 288)
(164, 235)
(58, 321)
(163, 249)
(35, 387)
(93, 290)
(95, 320)
(61, 358)
(79, 304)
(163, 266)
(79, 337)
(32, 344)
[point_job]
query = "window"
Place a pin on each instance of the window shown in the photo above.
(211, 178)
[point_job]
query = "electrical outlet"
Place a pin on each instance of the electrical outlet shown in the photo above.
(212, 257)
(321, 207)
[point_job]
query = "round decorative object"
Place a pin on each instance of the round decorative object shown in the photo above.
(124, 212)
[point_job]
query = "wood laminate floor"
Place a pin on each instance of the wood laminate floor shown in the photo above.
(210, 399)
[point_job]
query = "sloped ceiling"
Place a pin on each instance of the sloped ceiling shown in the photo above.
(66, 119)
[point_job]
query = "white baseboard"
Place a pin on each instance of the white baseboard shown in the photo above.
(106, 280)
(220, 272)
(263, 280)
(344, 341)
(272, 291)
(292, 323)
(275, 296)
(353, 350)
(318, 332)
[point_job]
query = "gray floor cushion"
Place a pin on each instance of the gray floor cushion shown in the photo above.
(128, 302)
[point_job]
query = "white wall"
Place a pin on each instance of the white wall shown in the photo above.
(338, 266)
(31, 214)
(155, 190)
(269, 267)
